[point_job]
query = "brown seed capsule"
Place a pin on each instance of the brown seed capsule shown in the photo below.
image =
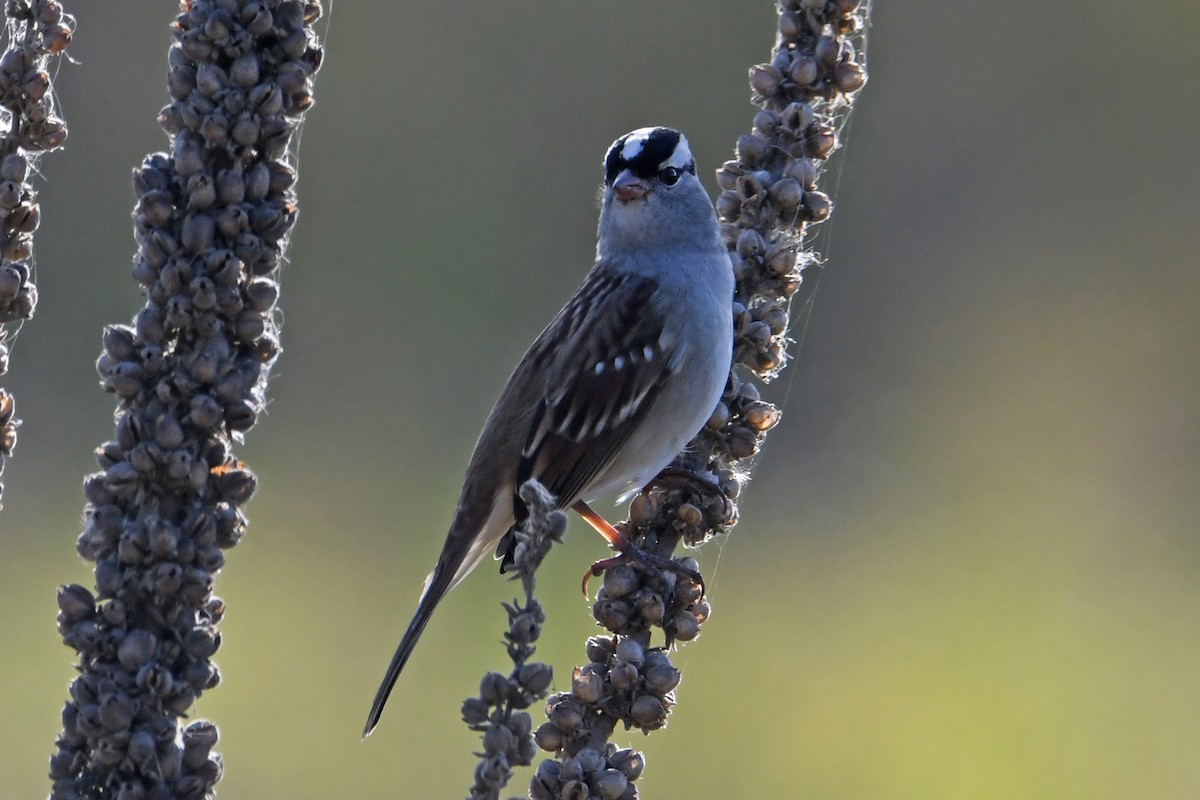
(804, 171)
(497, 739)
(631, 650)
(197, 233)
(820, 141)
(729, 205)
(121, 479)
(849, 76)
(728, 174)
(574, 790)
(662, 678)
(620, 581)
(608, 784)
(612, 613)
(751, 149)
(690, 515)
(623, 675)
(752, 187)
(742, 443)
(567, 715)
(586, 686)
(750, 245)
(765, 79)
(136, 648)
(756, 335)
(796, 118)
(550, 737)
(630, 762)
(642, 509)
(201, 191)
(766, 123)
(761, 416)
(818, 206)
(210, 79)
(827, 50)
(10, 284)
(790, 25)
(803, 71)
(493, 688)
(14, 167)
(599, 648)
(246, 129)
(648, 712)
(116, 713)
(651, 606)
(535, 677)
(776, 319)
(76, 603)
(685, 626)
(56, 38)
(787, 196)
(244, 70)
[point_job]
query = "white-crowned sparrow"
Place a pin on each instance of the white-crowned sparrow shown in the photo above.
(626, 374)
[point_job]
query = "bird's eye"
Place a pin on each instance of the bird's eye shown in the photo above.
(670, 175)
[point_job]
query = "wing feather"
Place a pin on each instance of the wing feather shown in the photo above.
(598, 389)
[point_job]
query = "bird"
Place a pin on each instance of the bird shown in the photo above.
(618, 383)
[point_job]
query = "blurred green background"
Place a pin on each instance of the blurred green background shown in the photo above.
(968, 565)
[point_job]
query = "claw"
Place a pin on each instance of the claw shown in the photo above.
(616, 540)
(627, 551)
(597, 568)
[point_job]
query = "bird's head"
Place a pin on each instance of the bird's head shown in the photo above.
(651, 195)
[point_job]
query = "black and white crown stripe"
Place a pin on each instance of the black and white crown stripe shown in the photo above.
(648, 151)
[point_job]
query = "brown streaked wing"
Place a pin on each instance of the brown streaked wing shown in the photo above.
(596, 393)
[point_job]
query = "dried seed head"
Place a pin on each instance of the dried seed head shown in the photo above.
(535, 677)
(608, 784)
(550, 737)
(648, 712)
(620, 581)
(765, 80)
(586, 686)
(566, 714)
(493, 688)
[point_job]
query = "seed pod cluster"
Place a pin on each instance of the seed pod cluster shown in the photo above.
(606, 772)
(639, 595)
(211, 224)
(623, 682)
(770, 191)
(498, 710)
(769, 197)
(36, 32)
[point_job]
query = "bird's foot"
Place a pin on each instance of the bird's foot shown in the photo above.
(628, 551)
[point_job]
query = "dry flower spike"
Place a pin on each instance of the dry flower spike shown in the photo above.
(190, 375)
(36, 31)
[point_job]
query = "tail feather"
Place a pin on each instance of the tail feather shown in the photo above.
(438, 585)
(469, 541)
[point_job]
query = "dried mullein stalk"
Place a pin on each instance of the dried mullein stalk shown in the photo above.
(498, 712)
(190, 375)
(36, 31)
(769, 199)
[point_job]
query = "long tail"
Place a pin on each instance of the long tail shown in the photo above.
(440, 582)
